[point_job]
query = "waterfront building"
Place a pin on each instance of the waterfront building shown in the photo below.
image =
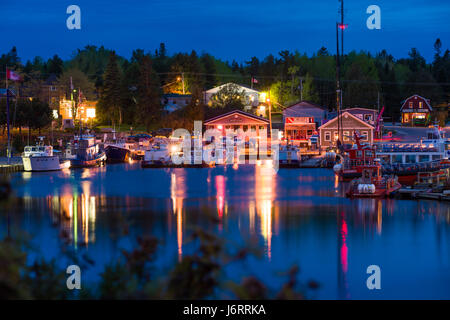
(416, 111)
(234, 121)
(302, 119)
(329, 133)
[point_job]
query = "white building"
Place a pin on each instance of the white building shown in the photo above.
(253, 97)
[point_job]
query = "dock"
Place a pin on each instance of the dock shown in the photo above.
(14, 165)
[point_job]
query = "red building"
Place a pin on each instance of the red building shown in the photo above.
(416, 111)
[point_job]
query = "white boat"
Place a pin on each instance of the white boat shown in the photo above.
(157, 156)
(41, 158)
(435, 147)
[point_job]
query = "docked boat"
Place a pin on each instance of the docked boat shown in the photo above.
(157, 157)
(288, 157)
(85, 152)
(419, 159)
(434, 147)
(118, 152)
(41, 158)
(355, 159)
(372, 183)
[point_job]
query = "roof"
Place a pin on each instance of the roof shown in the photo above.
(215, 89)
(245, 114)
(427, 101)
(360, 108)
(342, 115)
(176, 95)
(51, 80)
(304, 109)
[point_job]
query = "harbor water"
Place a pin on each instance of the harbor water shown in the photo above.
(293, 216)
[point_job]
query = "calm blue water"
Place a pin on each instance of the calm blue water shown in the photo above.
(295, 216)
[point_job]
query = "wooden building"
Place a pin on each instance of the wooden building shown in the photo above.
(416, 111)
(236, 120)
(301, 120)
(329, 133)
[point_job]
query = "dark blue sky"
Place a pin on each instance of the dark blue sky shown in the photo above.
(227, 29)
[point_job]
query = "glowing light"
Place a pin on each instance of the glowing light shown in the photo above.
(90, 113)
(220, 127)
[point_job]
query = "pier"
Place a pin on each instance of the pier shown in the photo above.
(14, 165)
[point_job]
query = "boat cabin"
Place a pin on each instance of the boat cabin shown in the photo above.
(38, 151)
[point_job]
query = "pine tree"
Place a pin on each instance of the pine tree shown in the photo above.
(109, 105)
(148, 104)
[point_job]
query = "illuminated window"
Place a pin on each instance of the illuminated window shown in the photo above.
(410, 105)
(55, 114)
(420, 104)
(90, 113)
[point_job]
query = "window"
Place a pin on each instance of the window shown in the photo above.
(327, 136)
(346, 136)
(368, 117)
(369, 153)
(359, 154)
(365, 135)
(336, 136)
(420, 104)
(410, 105)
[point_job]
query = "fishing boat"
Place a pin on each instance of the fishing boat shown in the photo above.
(41, 158)
(84, 152)
(118, 152)
(372, 184)
(355, 159)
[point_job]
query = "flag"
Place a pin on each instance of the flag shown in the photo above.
(11, 75)
(254, 80)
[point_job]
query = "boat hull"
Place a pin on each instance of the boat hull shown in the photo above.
(46, 163)
(116, 154)
(86, 163)
(379, 193)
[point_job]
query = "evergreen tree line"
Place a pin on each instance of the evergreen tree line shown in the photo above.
(129, 90)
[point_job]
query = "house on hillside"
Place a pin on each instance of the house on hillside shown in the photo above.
(174, 101)
(253, 98)
(416, 111)
(365, 114)
(329, 133)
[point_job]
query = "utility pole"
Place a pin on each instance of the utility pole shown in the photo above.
(338, 89)
(301, 89)
(342, 29)
(182, 79)
(270, 116)
(8, 151)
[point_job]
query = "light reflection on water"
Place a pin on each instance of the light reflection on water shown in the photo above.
(298, 216)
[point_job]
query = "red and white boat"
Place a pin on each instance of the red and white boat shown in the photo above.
(358, 156)
(372, 183)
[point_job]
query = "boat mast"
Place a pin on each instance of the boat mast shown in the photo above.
(8, 148)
